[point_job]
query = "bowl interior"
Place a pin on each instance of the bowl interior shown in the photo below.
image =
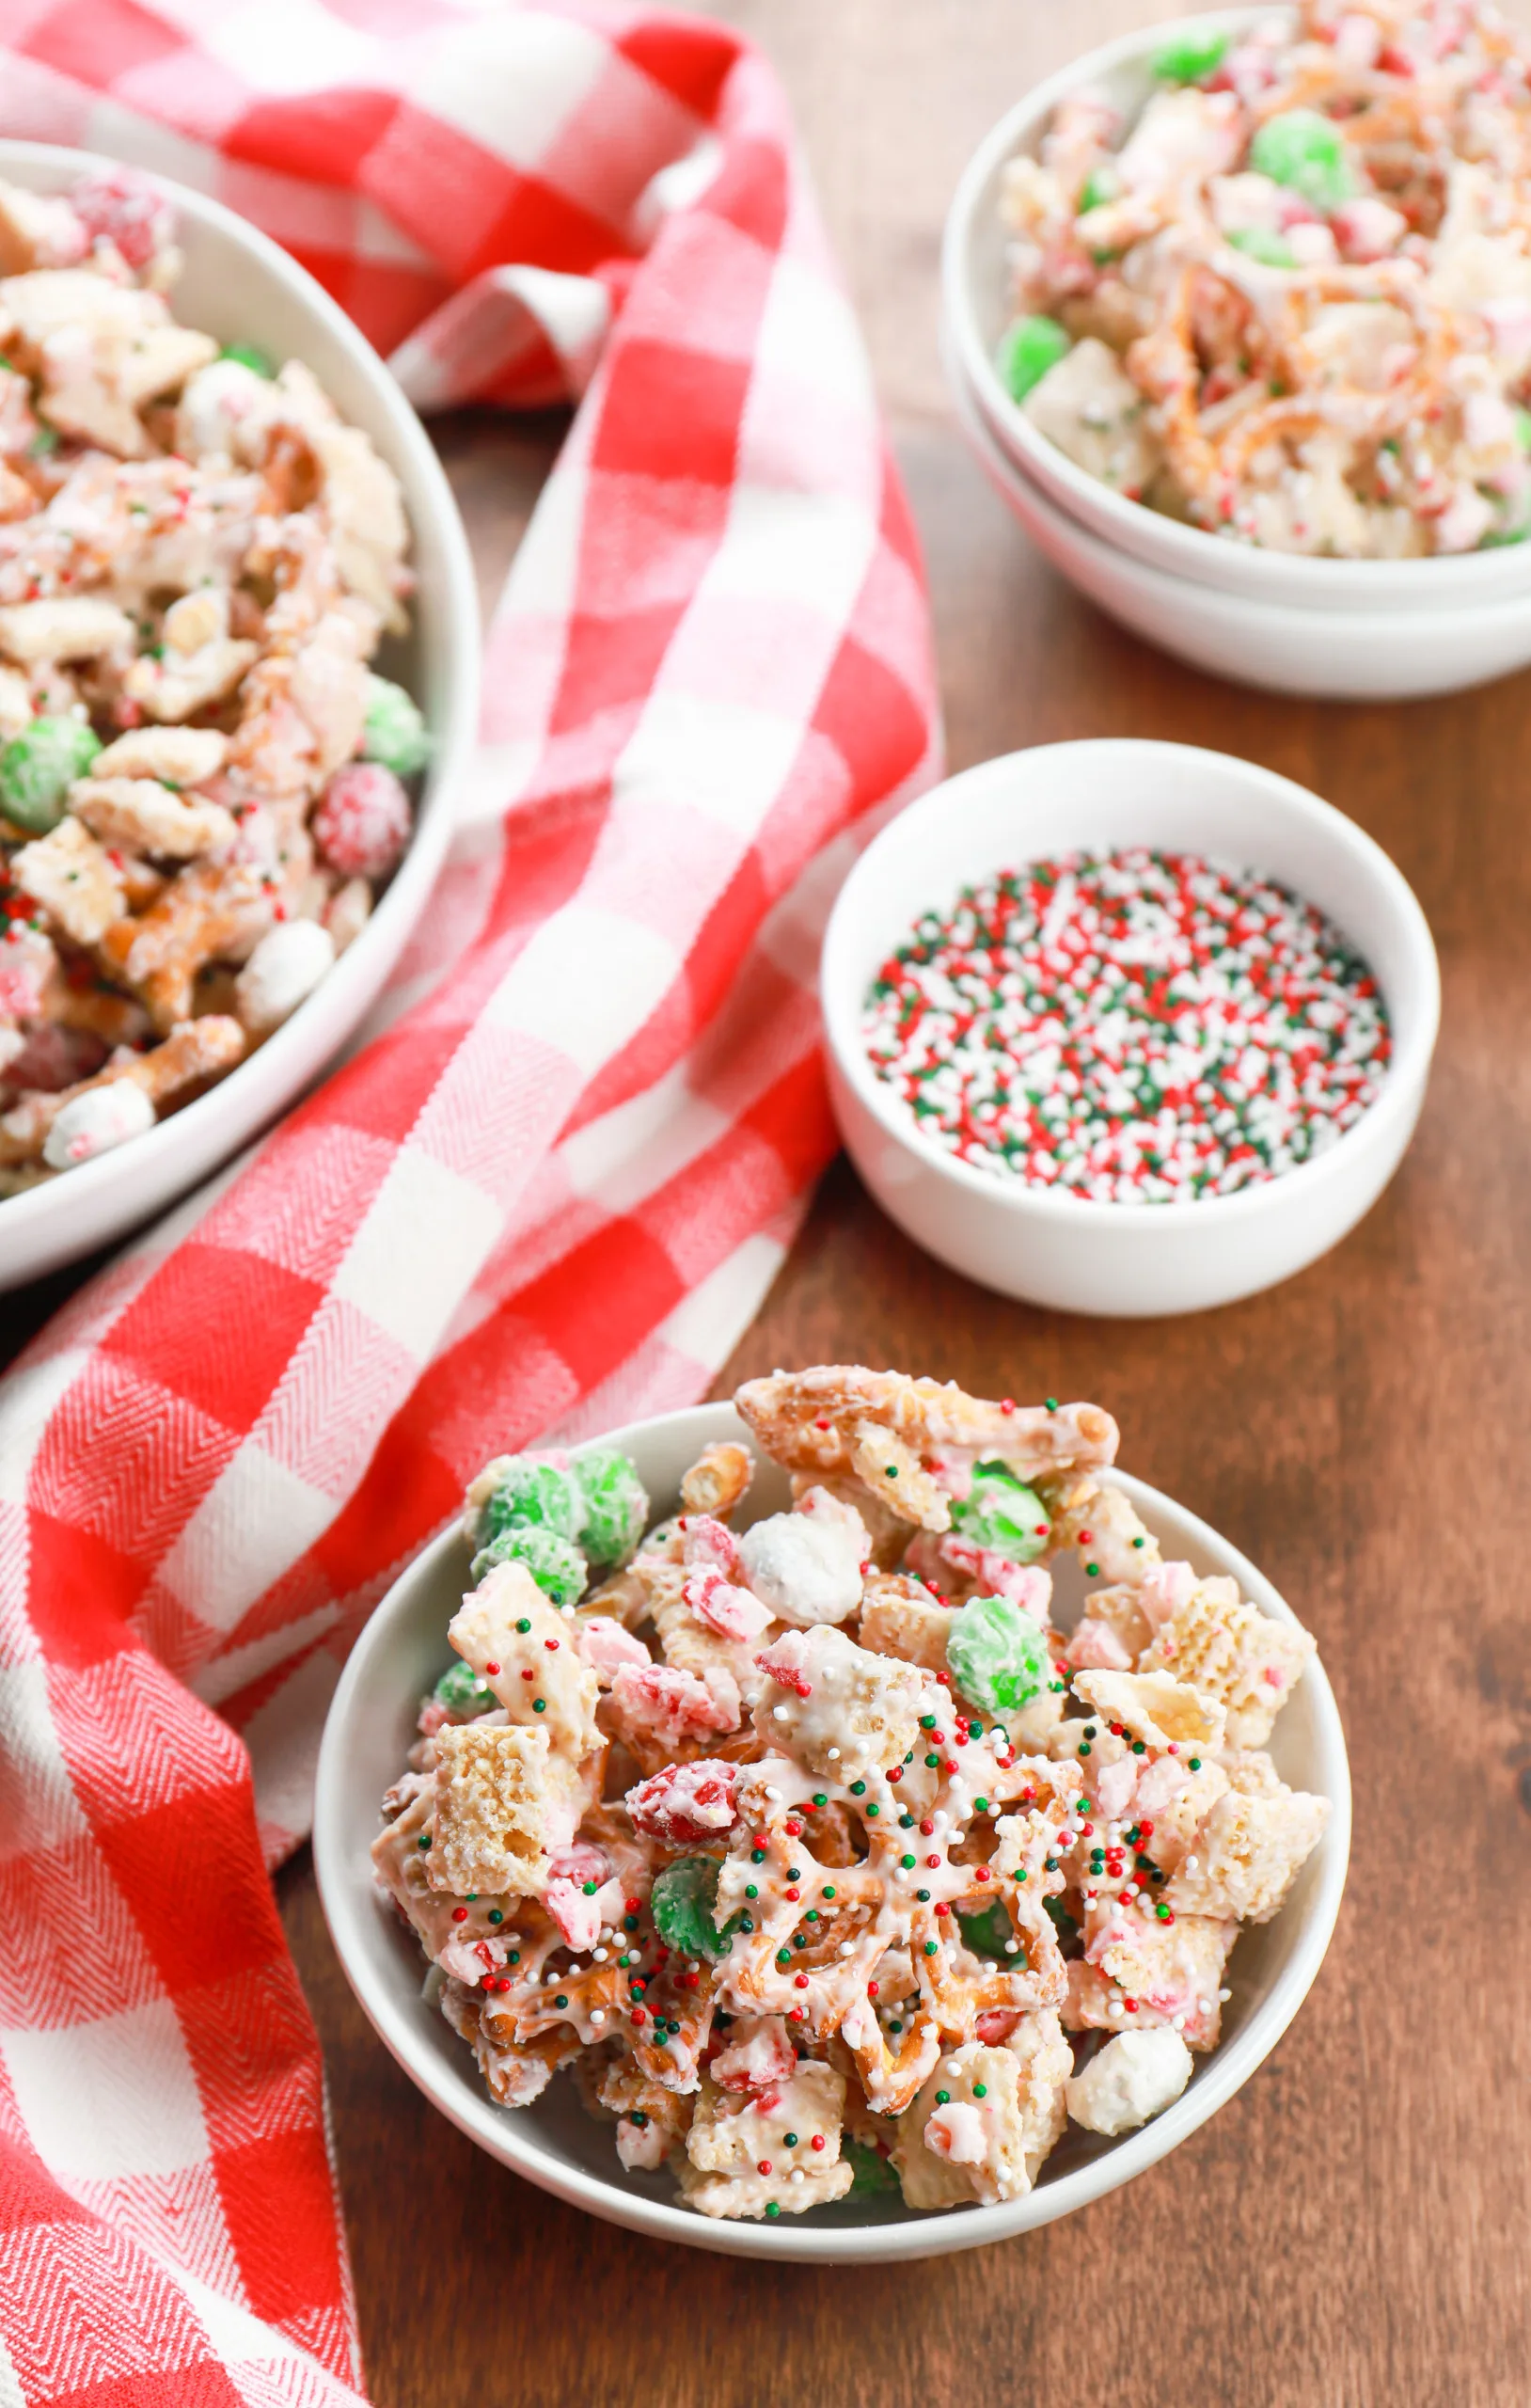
(240, 286)
(1124, 73)
(402, 1651)
(1333, 619)
(237, 284)
(1116, 792)
(976, 284)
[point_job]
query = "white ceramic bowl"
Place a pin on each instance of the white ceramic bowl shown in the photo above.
(1342, 654)
(976, 309)
(1065, 1250)
(240, 286)
(372, 1721)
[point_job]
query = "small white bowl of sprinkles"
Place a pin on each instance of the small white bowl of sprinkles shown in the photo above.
(1125, 1027)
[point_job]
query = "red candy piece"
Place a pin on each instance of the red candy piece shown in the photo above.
(686, 1802)
(119, 205)
(363, 820)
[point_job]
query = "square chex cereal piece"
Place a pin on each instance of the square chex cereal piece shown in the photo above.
(1138, 1972)
(1227, 1650)
(500, 1806)
(986, 2119)
(526, 1652)
(1247, 1854)
(746, 2153)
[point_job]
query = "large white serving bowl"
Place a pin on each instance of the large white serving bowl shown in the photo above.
(400, 1654)
(1067, 1251)
(1340, 655)
(976, 308)
(242, 287)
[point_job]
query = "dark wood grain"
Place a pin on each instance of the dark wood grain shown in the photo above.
(1351, 2232)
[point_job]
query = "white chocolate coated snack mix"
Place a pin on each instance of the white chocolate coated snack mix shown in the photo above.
(1291, 302)
(202, 781)
(812, 1848)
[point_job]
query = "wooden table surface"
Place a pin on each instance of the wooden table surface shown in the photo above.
(1350, 2231)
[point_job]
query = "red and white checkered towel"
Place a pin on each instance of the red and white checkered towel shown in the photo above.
(545, 1198)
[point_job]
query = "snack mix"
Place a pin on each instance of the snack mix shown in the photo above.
(819, 1857)
(202, 784)
(1291, 302)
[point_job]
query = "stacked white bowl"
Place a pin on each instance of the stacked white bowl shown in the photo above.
(1347, 630)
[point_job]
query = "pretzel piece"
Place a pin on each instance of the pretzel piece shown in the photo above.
(73, 627)
(1155, 1708)
(718, 1481)
(179, 756)
(516, 2073)
(199, 663)
(144, 816)
(214, 911)
(833, 1421)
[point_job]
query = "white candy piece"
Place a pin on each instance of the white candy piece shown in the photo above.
(226, 409)
(1135, 2077)
(286, 966)
(806, 1569)
(96, 1121)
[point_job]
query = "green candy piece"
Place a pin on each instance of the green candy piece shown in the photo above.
(682, 1903)
(1190, 57)
(872, 2177)
(38, 768)
(1027, 350)
(1306, 153)
(998, 1655)
(527, 1494)
(1272, 250)
(1001, 1513)
(250, 356)
(616, 1505)
(1100, 185)
(554, 1563)
(464, 1695)
(394, 732)
(985, 1931)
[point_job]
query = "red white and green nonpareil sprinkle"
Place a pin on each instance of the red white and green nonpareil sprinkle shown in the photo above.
(1131, 1028)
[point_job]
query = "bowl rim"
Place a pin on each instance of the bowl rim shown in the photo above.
(913, 2234)
(1181, 541)
(1407, 1072)
(1250, 611)
(275, 1078)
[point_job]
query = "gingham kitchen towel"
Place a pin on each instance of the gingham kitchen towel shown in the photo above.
(543, 1199)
